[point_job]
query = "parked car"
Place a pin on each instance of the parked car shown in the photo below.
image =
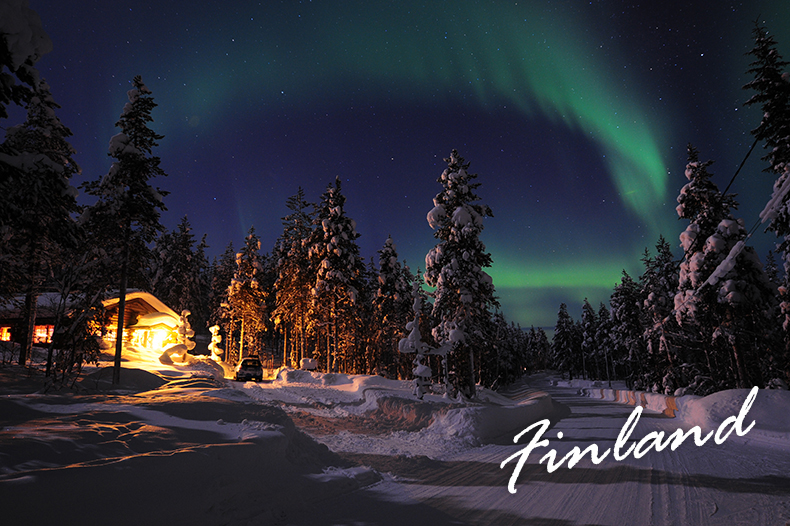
(249, 369)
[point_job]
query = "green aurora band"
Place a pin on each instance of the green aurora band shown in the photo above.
(539, 60)
(525, 56)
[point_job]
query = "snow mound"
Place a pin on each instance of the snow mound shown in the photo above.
(769, 412)
(372, 414)
(485, 422)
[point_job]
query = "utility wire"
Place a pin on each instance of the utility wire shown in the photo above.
(739, 168)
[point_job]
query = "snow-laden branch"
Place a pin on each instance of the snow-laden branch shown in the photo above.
(771, 209)
(726, 265)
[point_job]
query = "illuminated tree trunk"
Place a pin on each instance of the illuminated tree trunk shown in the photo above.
(285, 346)
(31, 306)
(116, 370)
(241, 340)
(334, 335)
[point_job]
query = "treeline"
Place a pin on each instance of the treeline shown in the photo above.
(312, 296)
(718, 318)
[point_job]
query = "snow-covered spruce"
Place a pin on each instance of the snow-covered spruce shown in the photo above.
(723, 292)
(338, 269)
(293, 279)
(464, 292)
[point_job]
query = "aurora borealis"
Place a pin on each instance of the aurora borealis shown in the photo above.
(574, 114)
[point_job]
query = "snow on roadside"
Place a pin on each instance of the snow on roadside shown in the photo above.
(769, 410)
(454, 425)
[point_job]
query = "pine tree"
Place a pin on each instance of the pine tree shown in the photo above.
(177, 276)
(202, 276)
(562, 344)
(246, 298)
(293, 279)
(38, 201)
(222, 271)
(464, 294)
(603, 342)
(589, 345)
(772, 86)
(771, 83)
(125, 219)
(414, 343)
(540, 349)
(723, 291)
(771, 270)
(627, 328)
(338, 270)
(704, 206)
(659, 284)
(507, 358)
(391, 310)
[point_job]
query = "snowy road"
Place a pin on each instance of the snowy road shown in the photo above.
(733, 483)
(186, 446)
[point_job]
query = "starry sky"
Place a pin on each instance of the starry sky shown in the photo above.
(575, 116)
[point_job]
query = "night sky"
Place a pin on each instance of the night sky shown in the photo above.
(575, 116)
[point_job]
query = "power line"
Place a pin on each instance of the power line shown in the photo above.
(739, 167)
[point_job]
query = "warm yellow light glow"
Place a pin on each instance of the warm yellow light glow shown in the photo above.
(5, 334)
(161, 336)
(43, 333)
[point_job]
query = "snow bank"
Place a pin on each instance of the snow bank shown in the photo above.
(394, 421)
(655, 402)
(486, 422)
(769, 411)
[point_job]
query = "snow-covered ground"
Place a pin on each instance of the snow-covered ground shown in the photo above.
(181, 444)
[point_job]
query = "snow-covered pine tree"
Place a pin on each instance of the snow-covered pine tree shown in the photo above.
(771, 269)
(464, 294)
(202, 272)
(745, 303)
(391, 310)
(222, 271)
(185, 333)
(540, 349)
(719, 278)
(125, 218)
(628, 347)
(771, 82)
(562, 344)
(603, 342)
(338, 268)
(704, 206)
(437, 363)
(246, 299)
(589, 345)
(362, 359)
(293, 279)
(505, 362)
(177, 278)
(658, 285)
(38, 200)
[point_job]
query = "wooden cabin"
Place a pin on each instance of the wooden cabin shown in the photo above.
(147, 323)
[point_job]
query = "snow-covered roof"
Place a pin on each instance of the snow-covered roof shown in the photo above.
(147, 297)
